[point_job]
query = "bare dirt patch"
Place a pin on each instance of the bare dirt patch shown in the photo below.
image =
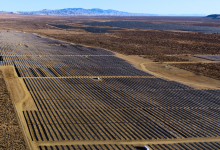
(164, 58)
(11, 136)
(21, 97)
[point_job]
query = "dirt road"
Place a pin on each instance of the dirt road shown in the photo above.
(21, 97)
(172, 73)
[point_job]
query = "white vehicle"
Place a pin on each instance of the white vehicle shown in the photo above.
(146, 147)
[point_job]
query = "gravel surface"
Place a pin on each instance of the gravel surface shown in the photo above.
(11, 136)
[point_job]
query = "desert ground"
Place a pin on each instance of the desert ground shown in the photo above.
(75, 89)
(12, 136)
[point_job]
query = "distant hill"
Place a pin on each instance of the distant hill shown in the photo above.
(214, 16)
(92, 12)
(82, 12)
(5, 12)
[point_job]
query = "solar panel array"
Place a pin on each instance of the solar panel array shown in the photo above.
(93, 95)
(34, 56)
(89, 147)
(18, 43)
(175, 146)
(210, 57)
(77, 102)
(66, 66)
(155, 26)
(189, 146)
(88, 29)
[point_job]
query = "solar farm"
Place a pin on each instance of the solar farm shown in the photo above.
(87, 98)
(155, 26)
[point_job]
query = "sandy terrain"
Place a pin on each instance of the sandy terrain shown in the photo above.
(21, 97)
(11, 136)
(169, 141)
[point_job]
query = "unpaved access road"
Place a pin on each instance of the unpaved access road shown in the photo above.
(172, 73)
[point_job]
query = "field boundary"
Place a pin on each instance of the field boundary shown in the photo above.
(95, 77)
(18, 102)
(22, 127)
(145, 142)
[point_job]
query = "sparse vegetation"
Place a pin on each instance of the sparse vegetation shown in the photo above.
(208, 69)
(11, 136)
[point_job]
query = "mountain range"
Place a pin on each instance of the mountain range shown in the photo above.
(82, 12)
(89, 12)
(214, 16)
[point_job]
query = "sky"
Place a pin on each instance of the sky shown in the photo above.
(133, 6)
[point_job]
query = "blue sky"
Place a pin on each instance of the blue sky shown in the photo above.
(134, 6)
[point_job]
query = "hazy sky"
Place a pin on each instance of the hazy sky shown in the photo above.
(134, 6)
